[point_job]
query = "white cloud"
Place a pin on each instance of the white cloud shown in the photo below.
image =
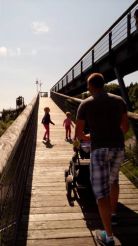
(14, 52)
(3, 51)
(11, 52)
(34, 52)
(39, 27)
(18, 51)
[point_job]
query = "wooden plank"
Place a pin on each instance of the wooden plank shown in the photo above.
(87, 241)
(56, 233)
(47, 217)
(54, 224)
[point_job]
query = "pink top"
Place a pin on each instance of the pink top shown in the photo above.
(67, 122)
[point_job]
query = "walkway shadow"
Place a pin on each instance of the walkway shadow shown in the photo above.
(22, 230)
(126, 230)
(48, 144)
(86, 200)
(69, 141)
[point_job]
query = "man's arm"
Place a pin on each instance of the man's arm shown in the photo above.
(79, 131)
(124, 123)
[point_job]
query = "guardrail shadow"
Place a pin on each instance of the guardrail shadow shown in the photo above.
(126, 230)
(22, 230)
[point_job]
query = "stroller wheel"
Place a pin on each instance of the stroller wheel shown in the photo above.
(66, 172)
(69, 185)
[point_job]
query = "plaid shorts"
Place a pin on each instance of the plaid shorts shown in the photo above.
(104, 169)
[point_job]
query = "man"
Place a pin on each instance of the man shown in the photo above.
(106, 116)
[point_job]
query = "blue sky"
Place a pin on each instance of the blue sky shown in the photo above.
(42, 39)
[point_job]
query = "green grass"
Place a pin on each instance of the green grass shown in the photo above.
(130, 167)
(131, 172)
(4, 125)
(129, 133)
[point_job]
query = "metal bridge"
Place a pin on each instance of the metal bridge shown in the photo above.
(34, 209)
(114, 55)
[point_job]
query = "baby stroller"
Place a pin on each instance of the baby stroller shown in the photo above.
(77, 175)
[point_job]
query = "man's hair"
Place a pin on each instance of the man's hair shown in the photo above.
(47, 109)
(96, 79)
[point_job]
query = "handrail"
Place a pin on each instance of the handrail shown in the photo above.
(71, 103)
(129, 27)
(16, 146)
(9, 141)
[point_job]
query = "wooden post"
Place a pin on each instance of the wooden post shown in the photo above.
(128, 25)
(110, 41)
(81, 66)
(92, 57)
(72, 73)
(66, 79)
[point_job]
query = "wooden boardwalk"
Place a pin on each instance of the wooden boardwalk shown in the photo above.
(47, 218)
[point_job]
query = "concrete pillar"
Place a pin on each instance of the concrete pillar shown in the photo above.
(123, 88)
(126, 98)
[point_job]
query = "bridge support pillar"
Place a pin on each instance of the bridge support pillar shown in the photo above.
(126, 98)
(123, 88)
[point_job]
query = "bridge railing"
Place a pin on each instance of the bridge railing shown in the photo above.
(16, 146)
(67, 103)
(121, 30)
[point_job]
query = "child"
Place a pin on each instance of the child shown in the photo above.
(68, 123)
(45, 121)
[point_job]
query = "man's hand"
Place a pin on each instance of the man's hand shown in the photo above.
(79, 131)
(124, 123)
(76, 143)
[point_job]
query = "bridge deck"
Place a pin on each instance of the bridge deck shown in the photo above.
(47, 218)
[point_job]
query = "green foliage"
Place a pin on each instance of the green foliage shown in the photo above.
(113, 88)
(132, 90)
(131, 172)
(129, 133)
(130, 167)
(133, 95)
(4, 125)
(8, 116)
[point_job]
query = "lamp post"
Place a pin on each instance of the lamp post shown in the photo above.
(40, 85)
(37, 83)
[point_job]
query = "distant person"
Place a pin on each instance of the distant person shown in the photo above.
(68, 123)
(46, 121)
(106, 116)
(136, 18)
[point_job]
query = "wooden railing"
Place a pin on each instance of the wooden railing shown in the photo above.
(71, 104)
(66, 103)
(16, 146)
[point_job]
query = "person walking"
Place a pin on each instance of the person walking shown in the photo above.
(68, 123)
(46, 120)
(106, 116)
